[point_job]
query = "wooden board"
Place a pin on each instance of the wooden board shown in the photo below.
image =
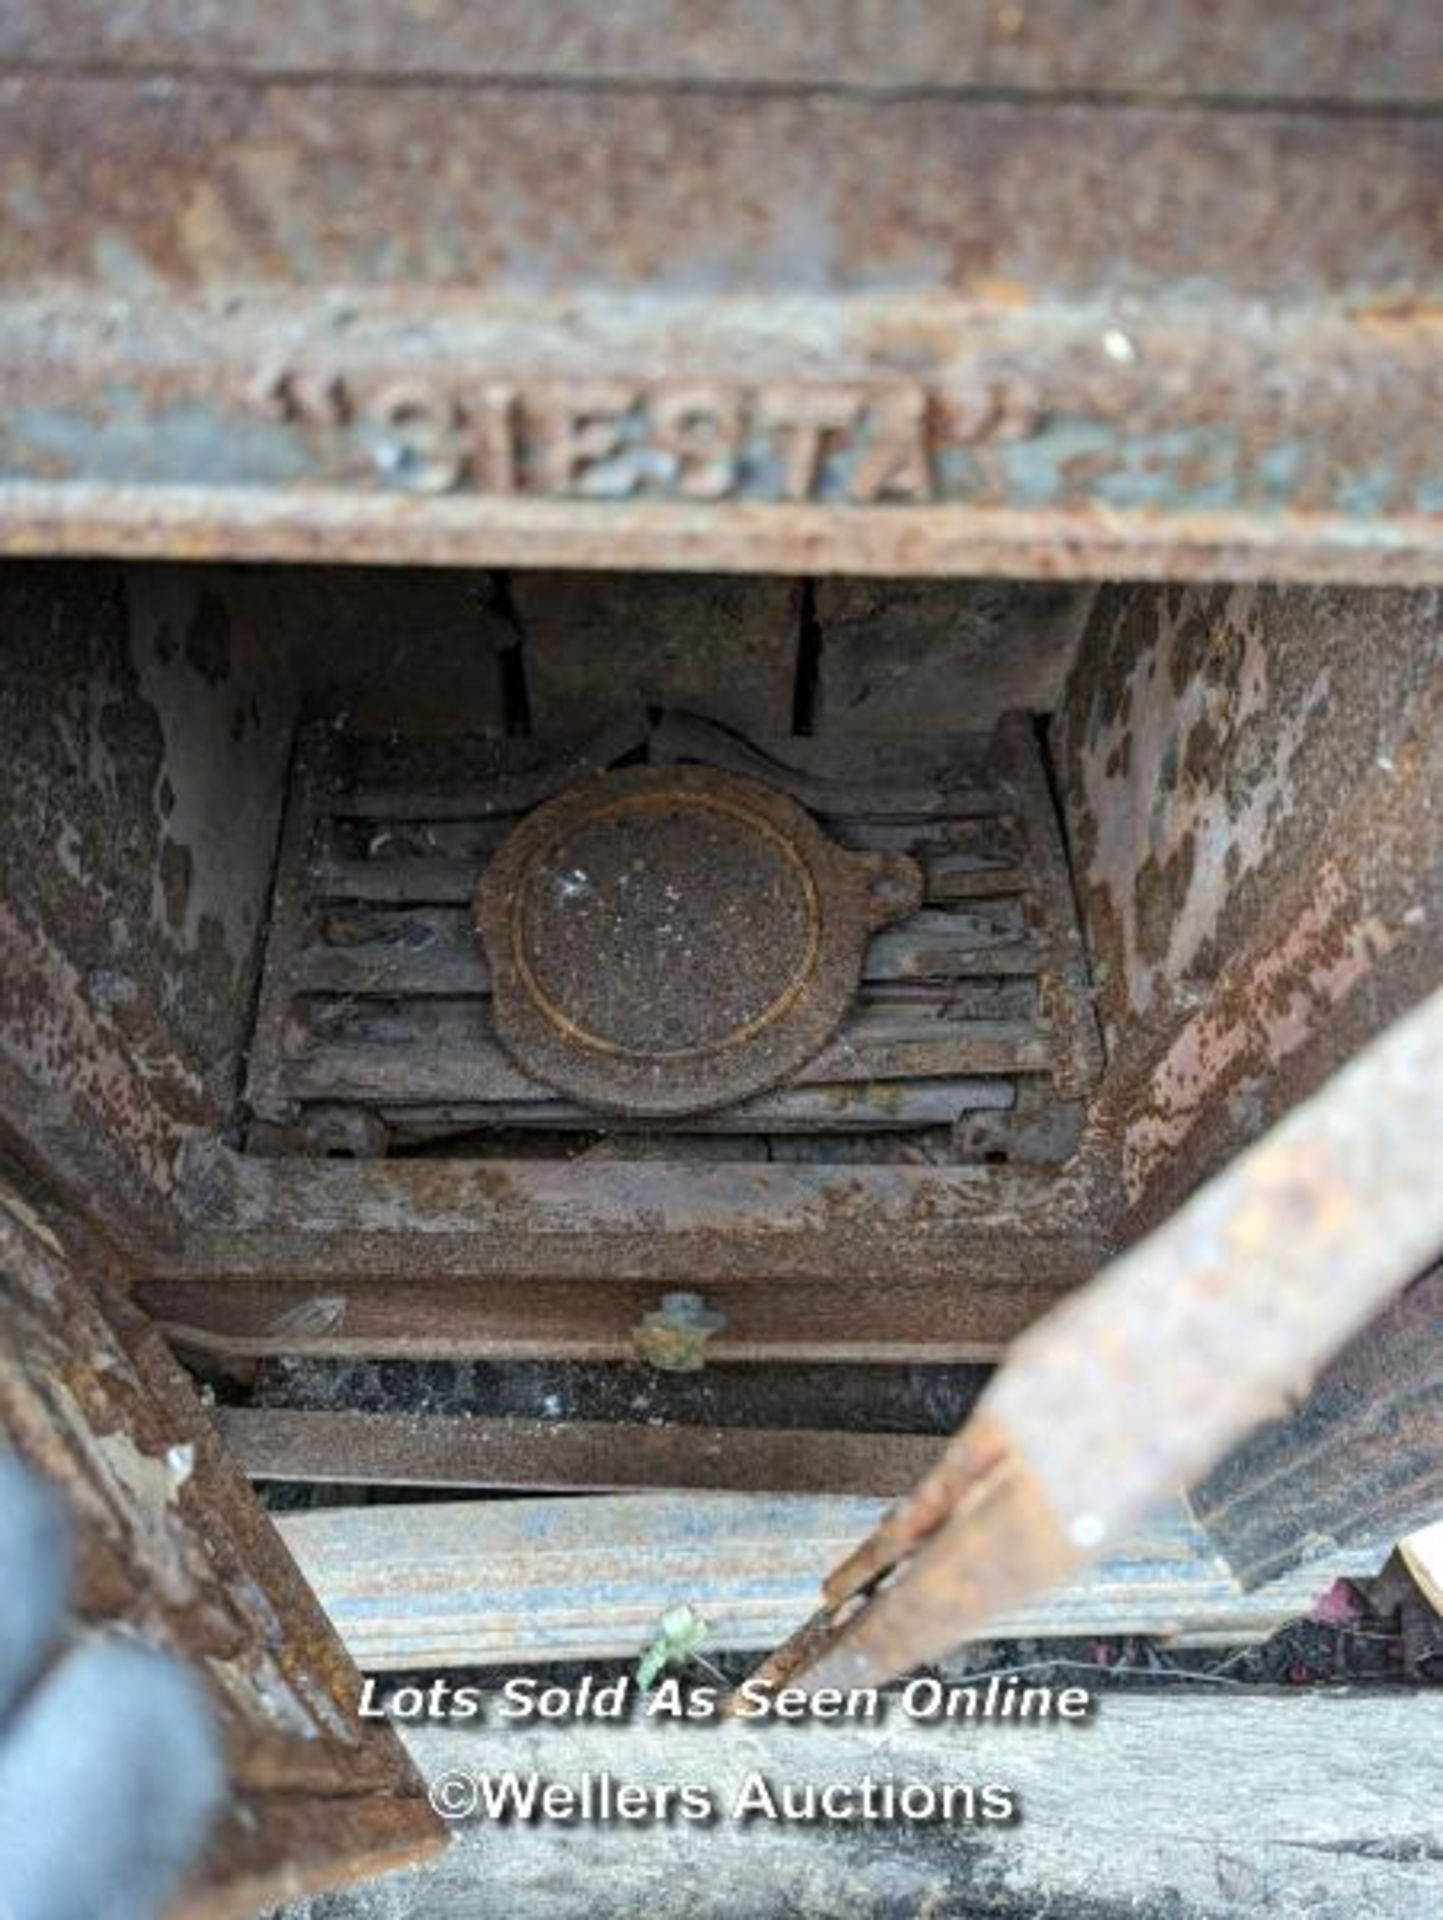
(477, 1583)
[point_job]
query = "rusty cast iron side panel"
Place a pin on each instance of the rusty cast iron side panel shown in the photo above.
(1324, 50)
(1251, 781)
(171, 1543)
(1209, 740)
(145, 722)
(665, 940)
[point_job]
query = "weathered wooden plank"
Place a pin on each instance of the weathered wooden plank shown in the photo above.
(482, 1582)
(393, 1449)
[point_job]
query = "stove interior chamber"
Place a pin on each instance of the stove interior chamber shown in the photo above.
(1172, 867)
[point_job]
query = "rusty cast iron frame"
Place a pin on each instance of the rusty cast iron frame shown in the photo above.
(1115, 290)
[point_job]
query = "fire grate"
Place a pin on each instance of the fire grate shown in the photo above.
(376, 1029)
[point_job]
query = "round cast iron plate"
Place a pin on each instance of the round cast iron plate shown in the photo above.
(666, 940)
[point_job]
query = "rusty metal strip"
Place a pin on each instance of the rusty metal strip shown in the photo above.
(646, 1220)
(1136, 1385)
(455, 433)
(203, 521)
(1325, 50)
(287, 927)
(416, 1312)
(388, 1449)
(256, 184)
(1065, 985)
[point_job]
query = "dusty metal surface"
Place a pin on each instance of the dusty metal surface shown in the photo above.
(527, 1257)
(1118, 436)
(725, 327)
(724, 645)
(1141, 1381)
(909, 657)
(663, 941)
(255, 184)
(171, 1545)
(1323, 50)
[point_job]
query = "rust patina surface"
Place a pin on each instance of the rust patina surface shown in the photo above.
(1114, 291)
